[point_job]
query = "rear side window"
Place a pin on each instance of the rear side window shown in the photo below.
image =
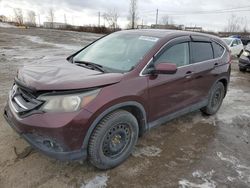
(218, 50)
(201, 51)
(177, 54)
(239, 41)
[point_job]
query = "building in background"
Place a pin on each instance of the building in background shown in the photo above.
(196, 29)
(54, 25)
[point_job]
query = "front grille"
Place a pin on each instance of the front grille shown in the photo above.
(22, 101)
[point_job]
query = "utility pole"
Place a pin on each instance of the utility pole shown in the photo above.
(156, 21)
(72, 20)
(65, 19)
(99, 19)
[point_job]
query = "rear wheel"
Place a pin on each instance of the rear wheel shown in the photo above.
(113, 139)
(215, 99)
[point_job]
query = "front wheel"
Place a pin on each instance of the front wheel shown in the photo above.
(215, 99)
(113, 139)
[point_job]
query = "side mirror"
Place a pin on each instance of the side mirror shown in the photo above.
(165, 68)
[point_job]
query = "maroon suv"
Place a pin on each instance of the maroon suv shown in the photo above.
(113, 90)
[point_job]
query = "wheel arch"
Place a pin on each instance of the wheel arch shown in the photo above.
(224, 81)
(133, 107)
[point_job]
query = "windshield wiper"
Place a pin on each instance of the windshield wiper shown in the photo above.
(91, 65)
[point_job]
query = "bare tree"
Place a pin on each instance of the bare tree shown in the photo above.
(3, 18)
(32, 18)
(51, 17)
(133, 15)
(167, 20)
(18, 16)
(236, 24)
(233, 24)
(111, 17)
(244, 25)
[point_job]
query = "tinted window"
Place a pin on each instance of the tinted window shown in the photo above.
(201, 51)
(177, 54)
(218, 50)
(228, 41)
(239, 41)
(235, 43)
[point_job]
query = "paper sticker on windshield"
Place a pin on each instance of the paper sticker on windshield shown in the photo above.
(152, 39)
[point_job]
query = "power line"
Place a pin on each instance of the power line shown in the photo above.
(206, 13)
(228, 10)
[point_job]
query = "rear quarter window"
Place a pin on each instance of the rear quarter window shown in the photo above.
(201, 51)
(218, 50)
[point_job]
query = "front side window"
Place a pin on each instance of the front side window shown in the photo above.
(177, 54)
(119, 52)
(201, 51)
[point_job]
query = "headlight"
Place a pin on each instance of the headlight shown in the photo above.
(245, 53)
(67, 102)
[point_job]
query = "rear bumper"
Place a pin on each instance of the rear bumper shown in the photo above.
(46, 144)
(244, 62)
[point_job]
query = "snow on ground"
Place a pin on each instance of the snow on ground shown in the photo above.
(206, 179)
(148, 151)
(243, 171)
(6, 25)
(97, 182)
(39, 40)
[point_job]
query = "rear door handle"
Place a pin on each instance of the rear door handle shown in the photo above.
(189, 74)
(216, 64)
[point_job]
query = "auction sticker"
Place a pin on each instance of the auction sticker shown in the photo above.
(152, 39)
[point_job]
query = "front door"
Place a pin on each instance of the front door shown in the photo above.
(170, 93)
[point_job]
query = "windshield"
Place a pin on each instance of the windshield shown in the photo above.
(119, 51)
(228, 41)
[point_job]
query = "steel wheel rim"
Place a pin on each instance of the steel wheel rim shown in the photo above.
(116, 140)
(216, 100)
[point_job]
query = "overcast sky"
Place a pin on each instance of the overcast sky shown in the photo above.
(206, 14)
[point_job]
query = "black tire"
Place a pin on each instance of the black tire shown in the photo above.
(215, 99)
(113, 139)
(242, 69)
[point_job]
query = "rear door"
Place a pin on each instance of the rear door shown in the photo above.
(204, 63)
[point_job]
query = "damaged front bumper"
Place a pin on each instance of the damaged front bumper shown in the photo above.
(43, 143)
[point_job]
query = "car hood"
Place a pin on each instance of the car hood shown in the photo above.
(63, 76)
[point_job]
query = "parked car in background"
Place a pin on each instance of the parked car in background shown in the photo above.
(245, 40)
(235, 45)
(113, 90)
(244, 60)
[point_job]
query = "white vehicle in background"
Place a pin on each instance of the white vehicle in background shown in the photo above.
(235, 45)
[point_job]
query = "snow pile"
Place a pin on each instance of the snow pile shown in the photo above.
(97, 182)
(206, 179)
